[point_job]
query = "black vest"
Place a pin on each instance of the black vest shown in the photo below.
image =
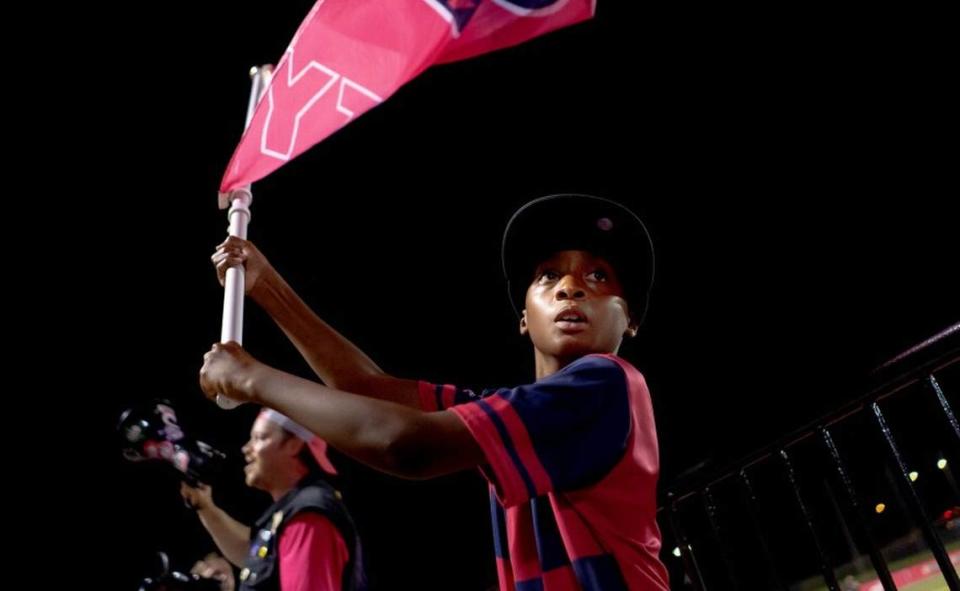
(262, 568)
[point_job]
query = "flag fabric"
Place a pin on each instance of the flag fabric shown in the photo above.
(350, 55)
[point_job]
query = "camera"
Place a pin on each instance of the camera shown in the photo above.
(151, 432)
(174, 581)
(169, 580)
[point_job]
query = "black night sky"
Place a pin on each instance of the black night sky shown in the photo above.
(792, 168)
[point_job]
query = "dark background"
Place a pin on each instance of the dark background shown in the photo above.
(796, 168)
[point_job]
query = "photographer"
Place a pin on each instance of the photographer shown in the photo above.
(305, 541)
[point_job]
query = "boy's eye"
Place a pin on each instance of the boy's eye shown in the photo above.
(598, 275)
(549, 275)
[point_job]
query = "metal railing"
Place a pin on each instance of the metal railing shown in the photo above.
(807, 511)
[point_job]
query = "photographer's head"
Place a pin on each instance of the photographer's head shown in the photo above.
(280, 453)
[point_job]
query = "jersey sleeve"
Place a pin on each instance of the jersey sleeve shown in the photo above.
(560, 433)
(434, 397)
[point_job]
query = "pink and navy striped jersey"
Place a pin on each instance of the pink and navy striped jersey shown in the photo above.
(572, 463)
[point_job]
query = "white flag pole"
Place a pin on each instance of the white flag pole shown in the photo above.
(239, 217)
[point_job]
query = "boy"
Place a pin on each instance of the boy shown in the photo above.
(571, 459)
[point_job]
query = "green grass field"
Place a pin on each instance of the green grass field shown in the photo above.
(934, 582)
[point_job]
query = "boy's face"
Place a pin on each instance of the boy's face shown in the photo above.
(575, 307)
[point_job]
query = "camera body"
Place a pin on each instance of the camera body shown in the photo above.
(174, 581)
(151, 432)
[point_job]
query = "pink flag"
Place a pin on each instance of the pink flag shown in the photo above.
(350, 55)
